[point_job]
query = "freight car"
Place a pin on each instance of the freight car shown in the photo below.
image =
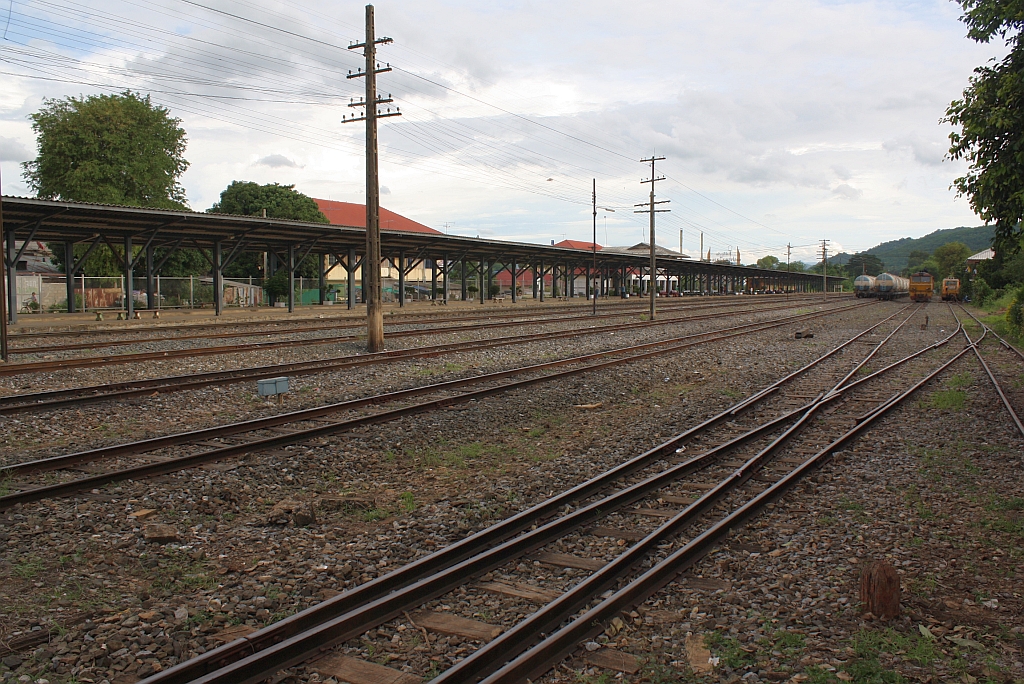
(922, 287)
(951, 289)
(891, 286)
(865, 286)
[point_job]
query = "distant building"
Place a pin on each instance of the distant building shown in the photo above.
(983, 255)
(354, 216)
(578, 244)
(645, 248)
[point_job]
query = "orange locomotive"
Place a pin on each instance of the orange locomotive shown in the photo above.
(951, 289)
(922, 287)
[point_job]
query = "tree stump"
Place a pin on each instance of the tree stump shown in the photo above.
(880, 590)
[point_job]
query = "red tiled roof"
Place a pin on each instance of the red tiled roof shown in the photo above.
(577, 244)
(354, 215)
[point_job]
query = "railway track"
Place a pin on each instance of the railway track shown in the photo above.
(137, 357)
(716, 475)
(52, 399)
(1007, 365)
(164, 454)
(326, 319)
(291, 326)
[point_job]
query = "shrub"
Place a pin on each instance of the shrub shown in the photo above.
(981, 290)
(494, 289)
(1015, 314)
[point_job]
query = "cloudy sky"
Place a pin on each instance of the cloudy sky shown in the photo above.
(781, 122)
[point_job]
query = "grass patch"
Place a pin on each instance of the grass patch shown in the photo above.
(28, 568)
(408, 502)
(374, 514)
(729, 650)
(948, 400)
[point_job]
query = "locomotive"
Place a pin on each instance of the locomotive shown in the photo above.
(922, 286)
(951, 289)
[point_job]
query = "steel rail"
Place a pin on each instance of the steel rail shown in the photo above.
(457, 552)
(50, 399)
(439, 314)
(995, 383)
(300, 647)
(516, 640)
(530, 664)
(522, 318)
(173, 464)
(135, 357)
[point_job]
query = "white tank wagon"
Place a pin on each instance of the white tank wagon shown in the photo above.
(891, 286)
(865, 286)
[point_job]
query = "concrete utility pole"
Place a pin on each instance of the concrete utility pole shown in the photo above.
(824, 267)
(371, 263)
(653, 285)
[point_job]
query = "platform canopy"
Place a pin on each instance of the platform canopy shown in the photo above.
(224, 237)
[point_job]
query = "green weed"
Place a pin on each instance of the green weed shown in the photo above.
(28, 568)
(408, 502)
(948, 400)
(729, 650)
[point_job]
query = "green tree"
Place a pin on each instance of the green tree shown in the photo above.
(990, 118)
(279, 201)
(951, 259)
(109, 149)
(864, 263)
(768, 262)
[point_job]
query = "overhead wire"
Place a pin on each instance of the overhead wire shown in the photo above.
(525, 155)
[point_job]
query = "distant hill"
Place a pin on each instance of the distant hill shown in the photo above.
(894, 253)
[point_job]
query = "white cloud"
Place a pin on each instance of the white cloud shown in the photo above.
(13, 150)
(774, 110)
(846, 191)
(275, 161)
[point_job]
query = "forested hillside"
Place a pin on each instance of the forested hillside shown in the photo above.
(895, 253)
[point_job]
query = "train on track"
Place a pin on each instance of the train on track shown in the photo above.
(951, 289)
(865, 286)
(883, 286)
(922, 286)
(890, 286)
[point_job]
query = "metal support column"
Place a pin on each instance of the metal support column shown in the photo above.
(433, 280)
(291, 278)
(465, 285)
(150, 279)
(489, 278)
(541, 284)
(351, 269)
(12, 278)
(129, 301)
(446, 270)
(515, 280)
(401, 277)
(69, 275)
(533, 277)
(218, 280)
(322, 273)
(480, 281)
